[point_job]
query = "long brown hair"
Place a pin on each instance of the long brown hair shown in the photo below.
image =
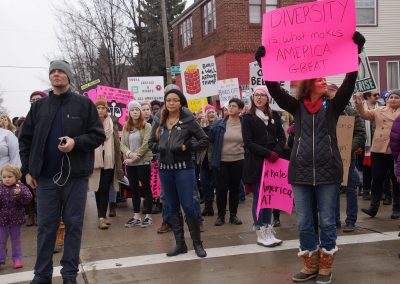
(163, 120)
(304, 88)
(267, 110)
(130, 124)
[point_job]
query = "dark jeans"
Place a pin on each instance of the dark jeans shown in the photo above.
(351, 196)
(382, 164)
(54, 202)
(179, 188)
(227, 178)
(142, 173)
(264, 217)
(367, 179)
(102, 194)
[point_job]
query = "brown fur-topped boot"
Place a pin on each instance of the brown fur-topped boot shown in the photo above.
(311, 266)
(325, 265)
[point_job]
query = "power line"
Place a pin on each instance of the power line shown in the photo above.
(22, 67)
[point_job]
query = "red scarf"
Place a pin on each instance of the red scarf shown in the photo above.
(312, 107)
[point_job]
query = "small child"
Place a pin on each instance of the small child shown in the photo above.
(13, 196)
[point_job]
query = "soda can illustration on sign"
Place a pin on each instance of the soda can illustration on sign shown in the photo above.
(192, 79)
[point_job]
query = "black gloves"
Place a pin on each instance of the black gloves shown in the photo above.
(259, 54)
(359, 39)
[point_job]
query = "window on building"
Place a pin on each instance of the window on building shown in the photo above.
(393, 75)
(366, 12)
(375, 72)
(270, 5)
(209, 17)
(186, 33)
(256, 8)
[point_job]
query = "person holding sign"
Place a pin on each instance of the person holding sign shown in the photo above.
(175, 137)
(315, 164)
(227, 161)
(264, 138)
(381, 154)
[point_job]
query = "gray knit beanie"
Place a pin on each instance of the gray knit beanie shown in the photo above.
(134, 104)
(63, 66)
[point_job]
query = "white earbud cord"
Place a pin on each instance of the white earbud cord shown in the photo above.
(58, 175)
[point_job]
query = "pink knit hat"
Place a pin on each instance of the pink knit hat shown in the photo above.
(261, 89)
(209, 107)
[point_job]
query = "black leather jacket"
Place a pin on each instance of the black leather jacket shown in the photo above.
(169, 146)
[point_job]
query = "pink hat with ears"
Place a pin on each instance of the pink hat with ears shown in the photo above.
(208, 107)
(261, 89)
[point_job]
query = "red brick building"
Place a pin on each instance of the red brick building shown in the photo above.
(231, 31)
(228, 29)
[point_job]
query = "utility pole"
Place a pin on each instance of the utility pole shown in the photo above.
(166, 42)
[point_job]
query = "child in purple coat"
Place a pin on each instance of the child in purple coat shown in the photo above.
(13, 196)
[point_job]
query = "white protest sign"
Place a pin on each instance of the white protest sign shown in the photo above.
(365, 81)
(147, 88)
(227, 90)
(256, 79)
(199, 78)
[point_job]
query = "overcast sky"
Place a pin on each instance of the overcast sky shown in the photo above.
(27, 33)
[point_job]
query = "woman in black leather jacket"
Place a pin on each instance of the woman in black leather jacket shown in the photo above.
(175, 137)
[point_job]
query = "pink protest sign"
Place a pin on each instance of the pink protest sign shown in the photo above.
(275, 192)
(309, 40)
(117, 100)
(155, 180)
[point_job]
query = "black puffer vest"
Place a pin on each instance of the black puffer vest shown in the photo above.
(315, 158)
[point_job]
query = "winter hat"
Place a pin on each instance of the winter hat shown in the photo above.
(261, 89)
(395, 92)
(61, 65)
(134, 104)
(209, 107)
(170, 87)
(42, 94)
(101, 102)
(178, 93)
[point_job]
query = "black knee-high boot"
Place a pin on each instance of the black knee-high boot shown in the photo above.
(177, 227)
(194, 229)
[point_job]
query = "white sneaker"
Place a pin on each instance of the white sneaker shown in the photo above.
(263, 238)
(270, 234)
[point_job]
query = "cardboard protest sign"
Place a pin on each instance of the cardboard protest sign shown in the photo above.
(256, 79)
(117, 100)
(199, 78)
(275, 191)
(365, 81)
(227, 90)
(197, 105)
(344, 134)
(155, 180)
(147, 88)
(309, 40)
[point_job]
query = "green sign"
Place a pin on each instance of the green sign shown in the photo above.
(175, 70)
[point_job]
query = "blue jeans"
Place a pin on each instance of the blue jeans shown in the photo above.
(179, 188)
(326, 196)
(54, 202)
(264, 218)
(351, 196)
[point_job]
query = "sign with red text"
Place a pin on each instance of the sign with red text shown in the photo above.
(227, 90)
(117, 99)
(309, 40)
(199, 78)
(155, 180)
(275, 191)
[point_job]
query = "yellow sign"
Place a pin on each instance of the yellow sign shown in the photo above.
(195, 105)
